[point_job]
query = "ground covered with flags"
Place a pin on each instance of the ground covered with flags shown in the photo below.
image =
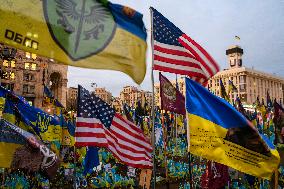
(93, 167)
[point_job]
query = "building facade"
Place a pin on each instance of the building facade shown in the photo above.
(72, 95)
(103, 94)
(250, 83)
(131, 95)
(26, 74)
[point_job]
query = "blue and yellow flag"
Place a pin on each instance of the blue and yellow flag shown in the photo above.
(218, 132)
(21, 149)
(232, 87)
(30, 118)
(87, 33)
(223, 91)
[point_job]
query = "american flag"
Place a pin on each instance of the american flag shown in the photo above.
(175, 52)
(99, 125)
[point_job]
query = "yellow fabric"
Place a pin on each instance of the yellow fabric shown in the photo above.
(207, 140)
(2, 104)
(7, 151)
(67, 139)
(126, 52)
(53, 133)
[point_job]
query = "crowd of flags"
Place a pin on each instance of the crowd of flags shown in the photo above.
(98, 125)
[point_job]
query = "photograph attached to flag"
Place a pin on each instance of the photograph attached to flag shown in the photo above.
(171, 99)
(99, 125)
(176, 52)
(90, 33)
(218, 132)
(20, 149)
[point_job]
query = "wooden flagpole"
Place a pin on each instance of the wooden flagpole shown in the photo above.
(153, 104)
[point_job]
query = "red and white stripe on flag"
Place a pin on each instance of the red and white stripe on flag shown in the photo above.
(124, 139)
(175, 52)
(191, 59)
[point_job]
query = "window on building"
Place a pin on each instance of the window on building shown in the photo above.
(242, 79)
(240, 62)
(6, 63)
(29, 77)
(13, 63)
(4, 75)
(28, 55)
(30, 66)
(242, 87)
(12, 75)
(31, 89)
(27, 66)
(8, 86)
(34, 56)
(33, 66)
(25, 88)
(26, 77)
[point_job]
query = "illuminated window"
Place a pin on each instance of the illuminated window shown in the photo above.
(33, 66)
(12, 75)
(28, 55)
(27, 66)
(4, 75)
(13, 64)
(6, 63)
(34, 56)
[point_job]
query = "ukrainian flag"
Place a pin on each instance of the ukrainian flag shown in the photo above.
(218, 132)
(85, 33)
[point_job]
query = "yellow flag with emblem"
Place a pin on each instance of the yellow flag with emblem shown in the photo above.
(93, 34)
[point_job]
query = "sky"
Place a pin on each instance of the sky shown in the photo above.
(214, 25)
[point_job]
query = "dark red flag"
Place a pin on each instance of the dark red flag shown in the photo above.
(216, 176)
(171, 99)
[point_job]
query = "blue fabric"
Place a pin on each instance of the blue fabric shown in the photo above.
(132, 22)
(92, 159)
(200, 102)
(71, 128)
(267, 141)
(47, 92)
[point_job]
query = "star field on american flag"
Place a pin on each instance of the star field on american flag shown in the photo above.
(91, 106)
(165, 31)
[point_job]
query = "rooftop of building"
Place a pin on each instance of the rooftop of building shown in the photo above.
(251, 71)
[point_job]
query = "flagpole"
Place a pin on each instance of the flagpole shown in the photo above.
(153, 102)
(188, 141)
